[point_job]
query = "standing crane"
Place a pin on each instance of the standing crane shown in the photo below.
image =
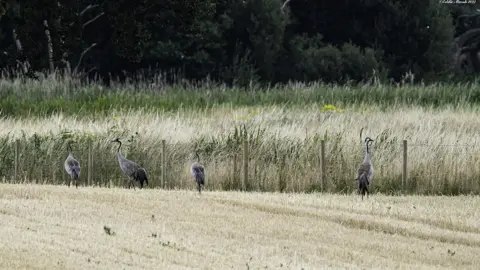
(198, 173)
(72, 166)
(365, 171)
(131, 169)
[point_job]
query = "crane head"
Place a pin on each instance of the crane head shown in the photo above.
(116, 140)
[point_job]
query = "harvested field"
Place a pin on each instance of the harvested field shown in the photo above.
(56, 227)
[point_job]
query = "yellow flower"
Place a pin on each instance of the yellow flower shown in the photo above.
(330, 108)
(254, 112)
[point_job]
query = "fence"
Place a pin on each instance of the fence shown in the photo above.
(255, 167)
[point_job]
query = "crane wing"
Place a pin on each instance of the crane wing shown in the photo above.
(141, 174)
(363, 169)
(129, 167)
(73, 162)
(198, 173)
(72, 166)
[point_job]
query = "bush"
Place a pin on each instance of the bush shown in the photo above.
(314, 60)
(359, 65)
(413, 35)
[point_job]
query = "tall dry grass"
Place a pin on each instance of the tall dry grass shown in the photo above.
(443, 151)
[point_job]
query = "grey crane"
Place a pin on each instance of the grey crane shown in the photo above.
(131, 169)
(198, 173)
(365, 170)
(72, 166)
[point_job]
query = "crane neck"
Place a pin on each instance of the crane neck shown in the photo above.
(69, 148)
(119, 145)
(367, 153)
(119, 154)
(367, 157)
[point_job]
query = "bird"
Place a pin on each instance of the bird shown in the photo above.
(72, 166)
(132, 170)
(141, 177)
(365, 170)
(363, 185)
(198, 173)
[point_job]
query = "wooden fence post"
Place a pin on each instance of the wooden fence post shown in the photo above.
(164, 163)
(245, 164)
(17, 154)
(323, 183)
(64, 178)
(404, 169)
(54, 177)
(90, 165)
(234, 173)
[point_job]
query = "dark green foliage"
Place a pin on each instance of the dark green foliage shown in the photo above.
(239, 42)
(359, 65)
(264, 25)
(412, 34)
(317, 61)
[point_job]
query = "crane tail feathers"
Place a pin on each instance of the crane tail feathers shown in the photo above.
(199, 175)
(363, 185)
(75, 174)
(141, 176)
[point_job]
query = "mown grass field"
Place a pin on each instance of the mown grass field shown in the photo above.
(54, 227)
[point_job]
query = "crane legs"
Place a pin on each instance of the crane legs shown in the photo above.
(70, 182)
(131, 182)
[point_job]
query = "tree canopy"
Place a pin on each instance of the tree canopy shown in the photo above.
(240, 41)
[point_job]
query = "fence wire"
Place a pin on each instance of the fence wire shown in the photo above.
(295, 167)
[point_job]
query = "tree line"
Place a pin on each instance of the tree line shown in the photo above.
(236, 41)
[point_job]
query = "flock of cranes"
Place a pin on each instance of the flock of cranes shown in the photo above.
(135, 173)
(132, 170)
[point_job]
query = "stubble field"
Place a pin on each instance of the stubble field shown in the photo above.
(54, 227)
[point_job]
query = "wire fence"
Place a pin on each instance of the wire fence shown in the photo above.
(253, 166)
